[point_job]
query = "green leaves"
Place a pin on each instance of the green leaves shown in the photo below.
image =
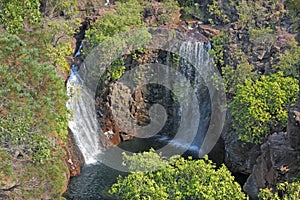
(260, 106)
(126, 16)
(176, 178)
(33, 101)
(15, 14)
(284, 191)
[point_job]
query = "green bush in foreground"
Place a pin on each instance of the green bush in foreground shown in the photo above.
(175, 178)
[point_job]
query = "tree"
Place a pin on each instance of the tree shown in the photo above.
(175, 178)
(260, 106)
(126, 16)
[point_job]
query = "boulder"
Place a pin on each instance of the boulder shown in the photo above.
(294, 128)
(278, 162)
(240, 157)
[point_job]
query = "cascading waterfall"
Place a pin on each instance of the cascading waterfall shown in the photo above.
(82, 120)
(196, 66)
(195, 53)
(85, 126)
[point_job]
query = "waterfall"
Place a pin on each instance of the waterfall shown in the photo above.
(82, 120)
(198, 128)
(194, 64)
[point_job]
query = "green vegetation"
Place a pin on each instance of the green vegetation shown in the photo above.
(126, 16)
(175, 178)
(191, 9)
(234, 77)
(33, 103)
(290, 61)
(256, 53)
(284, 191)
(215, 9)
(117, 69)
(294, 13)
(15, 14)
(260, 107)
(218, 46)
(259, 96)
(264, 36)
(6, 171)
(34, 45)
(167, 11)
(259, 13)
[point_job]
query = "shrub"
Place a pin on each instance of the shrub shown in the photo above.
(284, 191)
(260, 107)
(176, 178)
(16, 13)
(126, 16)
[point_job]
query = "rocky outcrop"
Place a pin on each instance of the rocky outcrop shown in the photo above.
(74, 158)
(278, 162)
(294, 128)
(240, 157)
(280, 157)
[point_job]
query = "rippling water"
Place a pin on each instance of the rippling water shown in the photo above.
(92, 183)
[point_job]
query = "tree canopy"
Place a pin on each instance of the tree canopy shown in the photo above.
(175, 178)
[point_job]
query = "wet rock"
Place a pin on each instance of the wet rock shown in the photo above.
(74, 158)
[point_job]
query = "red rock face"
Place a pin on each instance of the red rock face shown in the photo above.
(74, 158)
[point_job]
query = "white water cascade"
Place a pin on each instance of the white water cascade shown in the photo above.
(200, 125)
(194, 64)
(82, 120)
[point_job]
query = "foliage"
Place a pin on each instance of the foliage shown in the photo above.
(55, 8)
(236, 73)
(262, 37)
(117, 69)
(216, 10)
(33, 104)
(167, 11)
(6, 170)
(294, 13)
(57, 36)
(218, 47)
(260, 106)
(191, 9)
(284, 191)
(259, 13)
(176, 178)
(15, 14)
(50, 178)
(145, 161)
(126, 16)
(290, 61)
